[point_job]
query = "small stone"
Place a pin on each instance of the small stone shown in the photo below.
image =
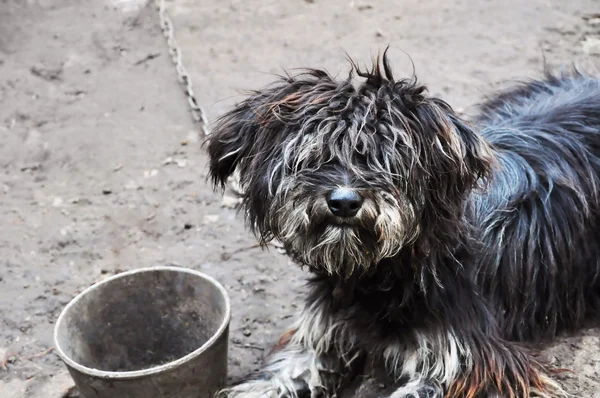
(106, 191)
(187, 226)
(247, 332)
(591, 45)
(231, 202)
(178, 161)
(211, 218)
(150, 173)
(132, 185)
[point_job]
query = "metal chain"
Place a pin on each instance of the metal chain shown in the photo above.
(184, 78)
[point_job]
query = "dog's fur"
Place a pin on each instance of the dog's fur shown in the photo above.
(471, 238)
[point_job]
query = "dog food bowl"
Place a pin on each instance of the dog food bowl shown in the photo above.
(151, 332)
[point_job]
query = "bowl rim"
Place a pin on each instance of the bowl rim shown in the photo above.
(156, 369)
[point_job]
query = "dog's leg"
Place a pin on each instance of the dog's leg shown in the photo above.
(423, 364)
(444, 364)
(313, 359)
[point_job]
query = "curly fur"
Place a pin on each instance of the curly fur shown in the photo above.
(470, 239)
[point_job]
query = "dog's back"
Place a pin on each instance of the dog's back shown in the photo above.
(538, 218)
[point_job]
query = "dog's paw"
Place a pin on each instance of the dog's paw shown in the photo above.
(418, 390)
(250, 389)
(264, 388)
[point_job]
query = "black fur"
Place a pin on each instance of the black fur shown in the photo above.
(538, 220)
(477, 234)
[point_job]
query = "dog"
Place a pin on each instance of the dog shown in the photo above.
(438, 247)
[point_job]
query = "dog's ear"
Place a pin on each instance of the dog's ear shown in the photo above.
(232, 139)
(253, 130)
(476, 156)
(460, 156)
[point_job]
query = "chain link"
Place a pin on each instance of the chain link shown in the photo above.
(166, 25)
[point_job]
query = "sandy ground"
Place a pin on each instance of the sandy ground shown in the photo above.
(102, 171)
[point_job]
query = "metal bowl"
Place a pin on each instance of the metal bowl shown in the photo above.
(151, 332)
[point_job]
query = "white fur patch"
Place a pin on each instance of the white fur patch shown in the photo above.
(290, 371)
(431, 364)
(300, 365)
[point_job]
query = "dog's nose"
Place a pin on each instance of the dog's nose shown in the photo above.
(344, 202)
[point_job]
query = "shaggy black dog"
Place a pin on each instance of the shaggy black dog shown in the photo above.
(436, 245)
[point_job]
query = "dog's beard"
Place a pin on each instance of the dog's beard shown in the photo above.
(312, 236)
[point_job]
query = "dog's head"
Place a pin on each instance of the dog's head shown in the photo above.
(345, 175)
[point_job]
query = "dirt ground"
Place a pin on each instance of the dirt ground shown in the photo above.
(102, 170)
